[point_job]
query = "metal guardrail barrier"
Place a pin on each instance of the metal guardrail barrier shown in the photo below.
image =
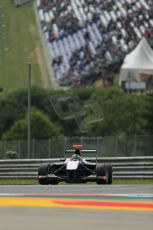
(123, 167)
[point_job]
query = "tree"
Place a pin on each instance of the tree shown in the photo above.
(123, 114)
(149, 115)
(41, 128)
(13, 107)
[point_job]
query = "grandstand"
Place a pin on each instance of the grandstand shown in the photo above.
(85, 38)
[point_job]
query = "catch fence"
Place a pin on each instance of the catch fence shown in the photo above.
(108, 146)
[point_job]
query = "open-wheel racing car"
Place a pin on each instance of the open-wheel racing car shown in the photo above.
(75, 169)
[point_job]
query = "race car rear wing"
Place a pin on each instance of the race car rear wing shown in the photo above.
(82, 151)
(69, 152)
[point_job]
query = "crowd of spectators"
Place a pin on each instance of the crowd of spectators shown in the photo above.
(85, 37)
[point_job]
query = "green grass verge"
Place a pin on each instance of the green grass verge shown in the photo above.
(134, 181)
(19, 41)
(35, 182)
(18, 181)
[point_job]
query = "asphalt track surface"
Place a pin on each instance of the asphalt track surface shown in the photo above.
(78, 188)
(30, 217)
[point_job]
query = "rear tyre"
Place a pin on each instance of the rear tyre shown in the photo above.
(104, 174)
(109, 173)
(42, 174)
(100, 172)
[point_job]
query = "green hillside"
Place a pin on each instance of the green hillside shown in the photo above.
(19, 41)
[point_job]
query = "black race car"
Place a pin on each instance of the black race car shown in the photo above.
(75, 169)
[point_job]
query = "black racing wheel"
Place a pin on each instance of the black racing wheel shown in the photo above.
(42, 174)
(109, 173)
(104, 174)
(100, 173)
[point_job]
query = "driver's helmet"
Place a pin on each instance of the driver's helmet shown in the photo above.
(75, 157)
(77, 151)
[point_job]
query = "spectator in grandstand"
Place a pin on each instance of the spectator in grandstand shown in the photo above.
(94, 33)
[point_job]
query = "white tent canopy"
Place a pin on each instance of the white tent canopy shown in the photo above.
(140, 60)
